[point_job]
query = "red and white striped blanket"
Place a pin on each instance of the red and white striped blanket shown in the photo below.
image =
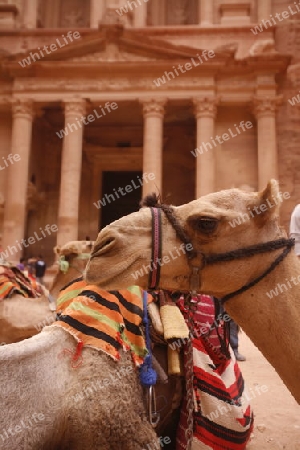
(223, 419)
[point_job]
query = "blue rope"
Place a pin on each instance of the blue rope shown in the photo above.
(148, 375)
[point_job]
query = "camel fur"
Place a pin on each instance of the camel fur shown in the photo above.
(120, 259)
(50, 406)
(21, 318)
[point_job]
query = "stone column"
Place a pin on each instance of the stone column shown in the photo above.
(206, 8)
(5, 149)
(153, 143)
(205, 112)
(31, 11)
(265, 111)
(70, 173)
(17, 180)
(140, 14)
(264, 10)
(96, 195)
(96, 12)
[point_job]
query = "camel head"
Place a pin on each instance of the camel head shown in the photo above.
(73, 248)
(71, 261)
(216, 223)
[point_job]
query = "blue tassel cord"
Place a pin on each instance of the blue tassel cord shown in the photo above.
(148, 376)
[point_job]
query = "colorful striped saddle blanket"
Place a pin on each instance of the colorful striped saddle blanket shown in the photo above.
(104, 320)
(12, 281)
(110, 320)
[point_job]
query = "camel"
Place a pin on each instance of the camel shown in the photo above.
(51, 402)
(76, 254)
(62, 403)
(216, 224)
(21, 318)
(50, 405)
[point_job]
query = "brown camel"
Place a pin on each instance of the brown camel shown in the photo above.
(215, 224)
(76, 254)
(21, 318)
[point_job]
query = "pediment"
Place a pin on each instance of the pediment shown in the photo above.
(114, 43)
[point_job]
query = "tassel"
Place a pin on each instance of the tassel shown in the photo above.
(78, 351)
(148, 375)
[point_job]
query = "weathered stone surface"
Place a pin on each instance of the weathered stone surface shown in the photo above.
(131, 60)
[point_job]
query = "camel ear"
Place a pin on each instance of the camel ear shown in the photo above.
(57, 250)
(269, 201)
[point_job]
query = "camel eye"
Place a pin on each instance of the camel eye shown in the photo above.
(207, 225)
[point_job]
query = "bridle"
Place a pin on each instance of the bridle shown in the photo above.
(64, 264)
(195, 280)
(205, 259)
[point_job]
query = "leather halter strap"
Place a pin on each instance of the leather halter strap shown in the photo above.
(214, 258)
(246, 252)
(154, 274)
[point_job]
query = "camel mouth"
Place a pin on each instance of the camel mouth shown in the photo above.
(103, 247)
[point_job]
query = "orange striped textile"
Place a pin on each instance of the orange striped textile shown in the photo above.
(104, 320)
(12, 281)
(7, 287)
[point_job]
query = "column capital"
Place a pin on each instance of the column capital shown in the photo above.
(75, 107)
(154, 107)
(205, 106)
(266, 106)
(22, 108)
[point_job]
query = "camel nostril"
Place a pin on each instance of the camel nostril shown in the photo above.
(103, 246)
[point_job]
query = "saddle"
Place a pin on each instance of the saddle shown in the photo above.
(13, 281)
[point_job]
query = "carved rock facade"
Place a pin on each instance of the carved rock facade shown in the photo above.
(133, 96)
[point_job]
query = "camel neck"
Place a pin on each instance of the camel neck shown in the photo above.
(269, 313)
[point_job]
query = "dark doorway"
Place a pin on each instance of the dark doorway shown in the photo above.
(115, 207)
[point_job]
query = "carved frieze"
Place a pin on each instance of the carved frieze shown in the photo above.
(104, 84)
(236, 82)
(265, 46)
